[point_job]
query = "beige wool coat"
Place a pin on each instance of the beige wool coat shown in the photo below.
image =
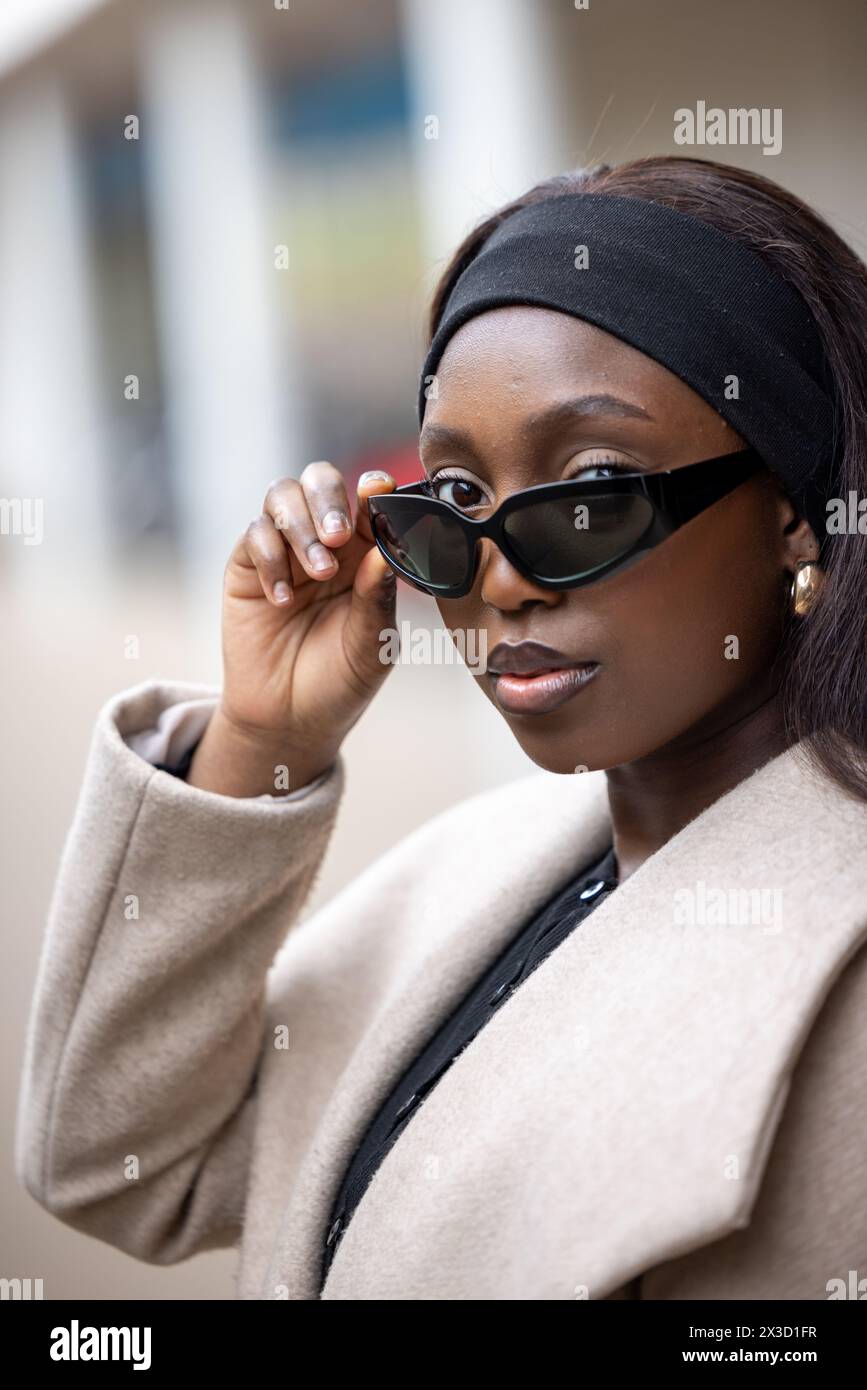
(670, 1106)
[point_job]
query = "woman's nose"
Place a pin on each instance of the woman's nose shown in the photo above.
(501, 585)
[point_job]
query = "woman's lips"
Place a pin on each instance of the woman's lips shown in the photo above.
(541, 691)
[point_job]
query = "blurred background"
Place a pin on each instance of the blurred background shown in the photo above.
(220, 224)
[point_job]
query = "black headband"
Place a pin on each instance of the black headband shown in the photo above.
(693, 298)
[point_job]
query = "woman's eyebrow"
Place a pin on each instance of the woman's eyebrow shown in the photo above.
(561, 412)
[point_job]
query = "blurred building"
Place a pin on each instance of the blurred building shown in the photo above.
(216, 222)
(221, 219)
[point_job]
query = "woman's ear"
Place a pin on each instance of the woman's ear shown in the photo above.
(798, 538)
(800, 543)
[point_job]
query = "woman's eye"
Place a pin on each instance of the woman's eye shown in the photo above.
(463, 495)
(604, 468)
(597, 471)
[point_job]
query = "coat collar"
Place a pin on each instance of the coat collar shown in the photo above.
(619, 1108)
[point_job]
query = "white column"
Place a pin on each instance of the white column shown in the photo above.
(488, 72)
(51, 435)
(226, 369)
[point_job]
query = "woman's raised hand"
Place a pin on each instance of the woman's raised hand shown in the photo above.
(306, 596)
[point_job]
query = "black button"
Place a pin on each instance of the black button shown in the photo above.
(593, 889)
(407, 1106)
(418, 1095)
(505, 989)
(502, 992)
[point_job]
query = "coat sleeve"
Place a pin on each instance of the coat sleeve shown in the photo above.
(137, 1102)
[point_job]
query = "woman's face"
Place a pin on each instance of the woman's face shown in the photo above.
(667, 670)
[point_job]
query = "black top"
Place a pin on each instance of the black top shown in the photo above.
(182, 767)
(536, 940)
(528, 949)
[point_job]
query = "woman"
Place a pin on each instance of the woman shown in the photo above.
(594, 1034)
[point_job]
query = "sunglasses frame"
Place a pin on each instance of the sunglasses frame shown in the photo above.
(676, 495)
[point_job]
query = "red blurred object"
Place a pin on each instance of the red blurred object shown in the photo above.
(401, 461)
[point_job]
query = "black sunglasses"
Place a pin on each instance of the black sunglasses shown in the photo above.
(559, 535)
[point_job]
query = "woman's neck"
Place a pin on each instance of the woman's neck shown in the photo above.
(655, 797)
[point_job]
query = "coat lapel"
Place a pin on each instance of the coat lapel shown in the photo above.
(619, 1108)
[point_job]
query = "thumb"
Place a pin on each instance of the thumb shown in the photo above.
(373, 614)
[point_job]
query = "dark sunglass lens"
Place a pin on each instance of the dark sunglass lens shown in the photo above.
(430, 548)
(571, 538)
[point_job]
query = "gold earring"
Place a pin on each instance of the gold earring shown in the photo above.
(806, 586)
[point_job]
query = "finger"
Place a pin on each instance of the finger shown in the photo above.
(373, 608)
(286, 504)
(327, 502)
(374, 481)
(263, 548)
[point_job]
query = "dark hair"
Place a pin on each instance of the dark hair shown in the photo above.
(823, 655)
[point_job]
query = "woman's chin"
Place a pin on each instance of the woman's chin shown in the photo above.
(554, 760)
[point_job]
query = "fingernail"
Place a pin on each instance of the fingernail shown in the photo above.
(320, 558)
(373, 473)
(334, 521)
(282, 592)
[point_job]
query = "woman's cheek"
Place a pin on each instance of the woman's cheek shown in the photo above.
(711, 638)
